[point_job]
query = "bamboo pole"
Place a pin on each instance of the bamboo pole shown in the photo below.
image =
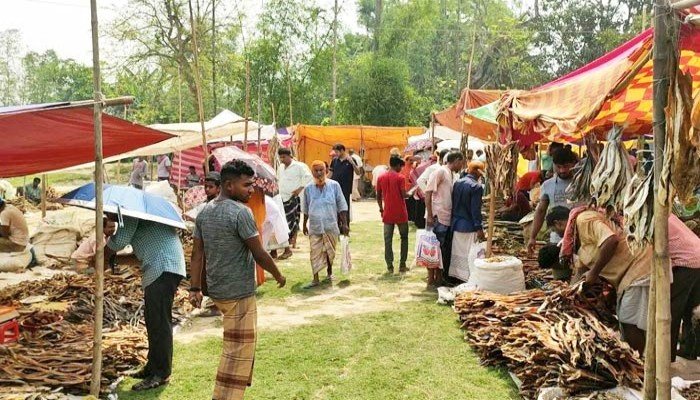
(492, 215)
(247, 104)
(213, 53)
(43, 195)
(335, 61)
(99, 234)
(471, 58)
(650, 345)
(289, 93)
(259, 120)
(662, 52)
(198, 88)
(432, 130)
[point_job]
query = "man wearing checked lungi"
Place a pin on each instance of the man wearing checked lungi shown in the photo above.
(227, 241)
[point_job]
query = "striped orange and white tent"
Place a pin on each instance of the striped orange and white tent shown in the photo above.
(615, 89)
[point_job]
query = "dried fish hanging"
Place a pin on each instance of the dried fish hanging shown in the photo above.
(683, 137)
(502, 167)
(560, 337)
(639, 211)
(579, 190)
(612, 173)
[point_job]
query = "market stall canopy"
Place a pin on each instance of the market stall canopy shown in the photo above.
(470, 99)
(46, 137)
(615, 89)
(314, 142)
(441, 133)
(453, 144)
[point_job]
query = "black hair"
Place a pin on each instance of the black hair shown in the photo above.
(454, 156)
(443, 153)
(193, 167)
(396, 161)
(234, 170)
(37, 179)
(479, 151)
(558, 213)
(283, 151)
(548, 257)
(564, 156)
(339, 147)
(554, 146)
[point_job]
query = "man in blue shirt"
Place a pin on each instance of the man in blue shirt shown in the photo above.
(159, 249)
(466, 219)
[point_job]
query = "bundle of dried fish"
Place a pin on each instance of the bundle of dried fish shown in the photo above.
(612, 172)
(683, 137)
(502, 166)
(639, 211)
(579, 190)
(23, 204)
(692, 392)
(561, 337)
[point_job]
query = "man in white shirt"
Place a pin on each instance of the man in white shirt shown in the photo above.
(293, 177)
(164, 166)
(356, 177)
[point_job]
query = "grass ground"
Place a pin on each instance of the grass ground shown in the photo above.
(379, 337)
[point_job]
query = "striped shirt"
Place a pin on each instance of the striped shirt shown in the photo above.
(157, 246)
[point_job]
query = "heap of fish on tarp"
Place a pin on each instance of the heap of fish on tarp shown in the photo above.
(612, 172)
(55, 348)
(559, 337)
(502, 167)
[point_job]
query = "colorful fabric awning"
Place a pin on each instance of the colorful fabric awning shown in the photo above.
(615, 89)
(469, 100)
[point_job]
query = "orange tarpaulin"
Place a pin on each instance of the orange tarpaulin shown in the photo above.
(48, 137)
(314, 142)
(615, 89)
(469, 99)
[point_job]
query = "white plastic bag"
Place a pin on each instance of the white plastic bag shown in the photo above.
(428, 252)
(478, 250)
(503, 274)
(346, 260)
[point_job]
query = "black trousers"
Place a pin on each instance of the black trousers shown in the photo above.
(419, 217)
(685, 295)
(159, 297)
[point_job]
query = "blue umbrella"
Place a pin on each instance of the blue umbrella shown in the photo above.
(127, 201)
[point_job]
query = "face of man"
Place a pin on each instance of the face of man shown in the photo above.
(239, 189)
(341, 153)
(36, 182)
(456, 165)
(211, 189)
(192, 171)
(319, 173)
(286, 159)
(559, 227)
(564, 171)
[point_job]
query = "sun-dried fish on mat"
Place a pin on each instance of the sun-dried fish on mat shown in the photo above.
(556, 337)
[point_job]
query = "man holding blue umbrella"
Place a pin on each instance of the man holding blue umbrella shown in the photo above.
(159, 249)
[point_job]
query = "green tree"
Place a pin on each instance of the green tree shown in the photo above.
(10, 66)
(48, 78)
(378, 92)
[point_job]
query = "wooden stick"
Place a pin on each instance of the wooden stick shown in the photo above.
(259, 120)
(471, 59)
(683, 4)
(43, 195)
(96, 376)
(492, 218)
(247, 104)
(650, 346)
(432, 130)
(289, 92)
(198, 88)
(334, 84)
(662, 53)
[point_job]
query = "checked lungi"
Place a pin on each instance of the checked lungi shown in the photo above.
(322, 251)
(235, 371)
(292, 210)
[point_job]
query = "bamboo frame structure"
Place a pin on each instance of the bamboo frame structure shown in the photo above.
(198, 88)
(43, 196)
(96, 376)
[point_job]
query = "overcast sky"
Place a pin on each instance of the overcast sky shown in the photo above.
(64, 25)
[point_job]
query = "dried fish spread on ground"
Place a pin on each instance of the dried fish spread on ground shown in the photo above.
(612, 172)
(59, 354)
(550, 338)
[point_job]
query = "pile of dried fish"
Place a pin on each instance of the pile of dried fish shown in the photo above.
(561, 337)
(692, 392)
(502, 166)
(61, 356)
(579, 190)
(123, 300)
(187, 244)
(612, 172)
(639, 211)
(23, 204)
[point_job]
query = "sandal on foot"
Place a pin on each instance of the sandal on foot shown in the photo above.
(285, 255)
(151, 382)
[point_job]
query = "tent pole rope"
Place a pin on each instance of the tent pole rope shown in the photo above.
(96, 376)
(664, 56)
(198, 88)
(43, 195)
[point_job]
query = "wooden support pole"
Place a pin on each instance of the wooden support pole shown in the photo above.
(43, 195)
(492, 216)
(289, 93)
(432, 130)
(334, 84)
(247, 104)
(662, 52)
(260, 120)
(198, 88)
(96, 376)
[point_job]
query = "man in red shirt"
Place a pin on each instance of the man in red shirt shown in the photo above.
(391, 195)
